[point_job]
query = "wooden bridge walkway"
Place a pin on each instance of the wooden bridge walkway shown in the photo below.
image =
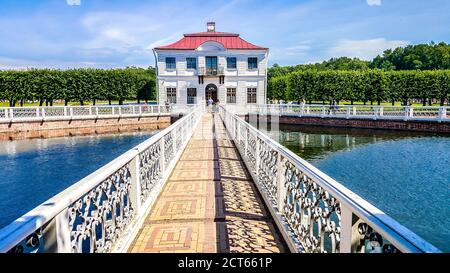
(210, 203)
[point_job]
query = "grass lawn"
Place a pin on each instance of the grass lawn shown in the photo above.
(73, 103)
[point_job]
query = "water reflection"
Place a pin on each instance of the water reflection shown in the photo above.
(317, 142)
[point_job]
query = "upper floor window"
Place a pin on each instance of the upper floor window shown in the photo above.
(170, 63)
(191, 63)
(252, 63)
(231, 62)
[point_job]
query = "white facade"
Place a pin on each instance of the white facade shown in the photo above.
(242, 79)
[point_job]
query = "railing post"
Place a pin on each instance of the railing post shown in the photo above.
(354, 110)
(11, 113)
(65, 111)
(380, 113)
(323, 111)
(43, 112)
(442, 113)
(135, 192)
(350, 237)
(6, 113)
(112, 110)
(63, 231)
(96, 111)
(406, 112)
(348, 112)
(375, 112)
(71, 111)
(120, 111)
(90, 111)
(411, 112)
(37, 112)
(302, 109)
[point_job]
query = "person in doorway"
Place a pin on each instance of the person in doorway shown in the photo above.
(167, 105)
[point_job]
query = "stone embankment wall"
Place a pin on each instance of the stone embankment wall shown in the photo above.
(14, 130)
(410, 125)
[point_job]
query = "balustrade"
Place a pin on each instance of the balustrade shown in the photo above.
(315, 212)
(424, 113)
(69, 112)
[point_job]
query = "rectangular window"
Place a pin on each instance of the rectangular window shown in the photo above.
(191, 95)
(171, 63)
(252, 63)
(251, 95)
(171, 95)
(231, 95)
(231, 63)
(211, 65)
(191, 63)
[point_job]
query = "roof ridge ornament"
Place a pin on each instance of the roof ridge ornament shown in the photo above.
(211, 26)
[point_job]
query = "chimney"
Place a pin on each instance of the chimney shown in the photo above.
(211, 26)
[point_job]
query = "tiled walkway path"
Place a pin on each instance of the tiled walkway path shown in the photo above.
(210, 203)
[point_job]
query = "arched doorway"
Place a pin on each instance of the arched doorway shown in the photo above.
(211, 92)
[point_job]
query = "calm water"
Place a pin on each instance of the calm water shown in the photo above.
(406, 175)
(32, 171)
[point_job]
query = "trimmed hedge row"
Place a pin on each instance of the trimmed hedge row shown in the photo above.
(361, 85)
(81, 85)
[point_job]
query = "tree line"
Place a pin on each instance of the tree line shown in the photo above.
(374, 86)
(77, 85)
(415, 72)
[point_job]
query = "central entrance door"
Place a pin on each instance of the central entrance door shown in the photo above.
(211, 92)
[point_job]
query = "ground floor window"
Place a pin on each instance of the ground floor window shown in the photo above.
(171, 95)
(231, 95)
(251, 95)
(191, 95)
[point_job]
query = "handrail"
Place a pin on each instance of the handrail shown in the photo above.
(94, 214)
(32, 113)
(382, 112)
(315, 212)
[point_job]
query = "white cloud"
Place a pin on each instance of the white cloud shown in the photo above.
(363, 49)
(73, 2)
(373, 2)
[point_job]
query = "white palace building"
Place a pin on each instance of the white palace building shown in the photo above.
(211, 64)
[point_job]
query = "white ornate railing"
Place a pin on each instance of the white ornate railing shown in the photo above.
(424, 113)
(8, 114)
(314, 212)
(103, 211)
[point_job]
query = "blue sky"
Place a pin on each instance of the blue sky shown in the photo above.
(112, 33)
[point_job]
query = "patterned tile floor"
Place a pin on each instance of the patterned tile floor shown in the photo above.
(210, 203)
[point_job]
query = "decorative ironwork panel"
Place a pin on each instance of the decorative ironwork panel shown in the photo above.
(99, 217)
(251, 150)
(371, 241)
(32, 243)
(169, 153)
(311, 212)
(268, 169)
(149, 169)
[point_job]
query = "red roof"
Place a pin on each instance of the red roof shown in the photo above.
(192, 41)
